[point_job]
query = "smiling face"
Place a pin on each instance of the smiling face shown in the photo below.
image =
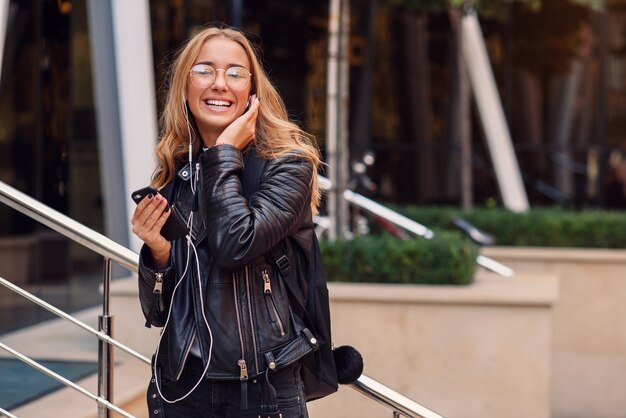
(217, 105)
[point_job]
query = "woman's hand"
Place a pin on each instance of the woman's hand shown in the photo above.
(242, 130)
(148, 219)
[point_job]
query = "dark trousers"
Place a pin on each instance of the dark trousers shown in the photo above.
(222, 399)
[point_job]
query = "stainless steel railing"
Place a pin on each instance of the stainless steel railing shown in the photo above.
(101, 400)
(65, 225)
(401, 405)
(405, 223)
(7, 414)
(103, 336)
(112, 251)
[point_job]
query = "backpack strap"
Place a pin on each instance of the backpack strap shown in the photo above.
(297, 300)
(279, 256)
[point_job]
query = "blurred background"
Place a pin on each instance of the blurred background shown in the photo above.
(408, 113)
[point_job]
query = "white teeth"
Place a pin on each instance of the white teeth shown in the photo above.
(217, 103)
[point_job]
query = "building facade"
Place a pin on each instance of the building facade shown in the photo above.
(560, 70)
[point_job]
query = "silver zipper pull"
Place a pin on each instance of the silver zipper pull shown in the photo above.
(267, 286)
(243, 378)
(243, 369)
(158, 285)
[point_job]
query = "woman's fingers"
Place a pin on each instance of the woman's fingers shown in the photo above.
(254, 113)
(157, 207)
(146, 208)
(253, 110)
(243, 129)
(254, 104)
(148, 219)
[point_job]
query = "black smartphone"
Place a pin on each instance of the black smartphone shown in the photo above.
(175, 227)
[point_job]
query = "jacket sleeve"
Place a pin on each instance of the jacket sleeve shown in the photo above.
(239, 231)
(147, 281)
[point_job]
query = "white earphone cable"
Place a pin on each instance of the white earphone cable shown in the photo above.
(190, 246)
(206, 322)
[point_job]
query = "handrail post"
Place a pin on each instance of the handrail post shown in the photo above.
(105, 350)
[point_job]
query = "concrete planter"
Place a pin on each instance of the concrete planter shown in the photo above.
(482, 350)
(589, 352)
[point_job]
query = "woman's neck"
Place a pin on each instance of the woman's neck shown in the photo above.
(208, 140)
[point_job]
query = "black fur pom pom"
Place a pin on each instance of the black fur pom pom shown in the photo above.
(349, 364)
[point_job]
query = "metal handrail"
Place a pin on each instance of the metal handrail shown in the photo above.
(391, 398)
(68, 227)
(101, 335)
(65, 381)
(111, 250)
(408, 224)
(388, 214)
(7, 414)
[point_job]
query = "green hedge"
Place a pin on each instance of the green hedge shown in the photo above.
(537, 227)
(449, 258)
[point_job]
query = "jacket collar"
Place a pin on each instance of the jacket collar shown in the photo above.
(186, 202)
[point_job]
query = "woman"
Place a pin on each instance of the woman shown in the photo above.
(230, 345)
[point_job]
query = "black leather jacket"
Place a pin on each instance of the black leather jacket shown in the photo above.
(244, 299)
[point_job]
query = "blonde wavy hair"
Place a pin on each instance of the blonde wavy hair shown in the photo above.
(275, 136)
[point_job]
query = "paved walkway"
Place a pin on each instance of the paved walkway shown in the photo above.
(58, 339)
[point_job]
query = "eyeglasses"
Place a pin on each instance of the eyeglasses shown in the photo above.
(203, 75)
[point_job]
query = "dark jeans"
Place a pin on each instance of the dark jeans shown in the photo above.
(222, 399)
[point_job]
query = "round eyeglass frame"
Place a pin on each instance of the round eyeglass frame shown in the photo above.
(191, 76)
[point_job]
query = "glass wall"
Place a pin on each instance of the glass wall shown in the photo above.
(560, 69)
(559, 66)
(48, 149)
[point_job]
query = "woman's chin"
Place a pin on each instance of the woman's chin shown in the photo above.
(215, 122)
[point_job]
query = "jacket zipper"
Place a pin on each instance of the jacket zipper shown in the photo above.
(182, 365)
(243, 377)
(243, 368)
(158, 284)
(199, 197)
(180, 215)
(238, 315)
(256, 361)
(187, 351)
(156, 296)
(269, 299)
